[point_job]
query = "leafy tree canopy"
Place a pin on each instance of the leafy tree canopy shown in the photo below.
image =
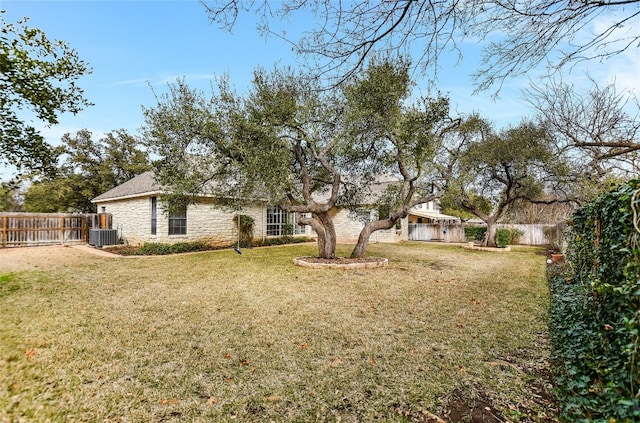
(36, 74)
(275, 143)
(88, 169)
(494, 172)
(306, 149)
(9, 198)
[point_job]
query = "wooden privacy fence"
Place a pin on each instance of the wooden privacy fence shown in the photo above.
(29, 229)
(436, 232)
(531, 234)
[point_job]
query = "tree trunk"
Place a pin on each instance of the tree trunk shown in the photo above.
(324, 228)
(490, 238)
(365, 233)
(328, 250)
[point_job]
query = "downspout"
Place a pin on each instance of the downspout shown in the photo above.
(263, 227)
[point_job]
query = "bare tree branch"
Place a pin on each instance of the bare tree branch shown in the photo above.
(601, 127)
(521, 34)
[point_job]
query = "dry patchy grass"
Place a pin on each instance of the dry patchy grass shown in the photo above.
(219, 336)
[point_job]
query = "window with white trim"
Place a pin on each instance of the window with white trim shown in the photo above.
(280, 222)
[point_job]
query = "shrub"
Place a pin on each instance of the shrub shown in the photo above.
(475, 233)
(503, 237)
(594, 321)
(282, 240)
(516, 234)
(157, 249)
(246, 229)
(287, 229)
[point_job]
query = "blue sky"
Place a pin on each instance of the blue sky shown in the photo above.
(135, 45)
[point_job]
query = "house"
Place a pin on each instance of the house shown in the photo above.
(427, 223)
(348, 225)
(430, 213)
(139, 215)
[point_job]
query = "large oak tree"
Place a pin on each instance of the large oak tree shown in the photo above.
(393, 135)
(38, 75)
(495, 172)
(305, 149)
(88, 168)
(274, 144)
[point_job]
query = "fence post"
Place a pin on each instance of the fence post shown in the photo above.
(85, 232)
(4, 231)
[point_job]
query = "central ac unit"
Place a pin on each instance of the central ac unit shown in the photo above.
(100, 237)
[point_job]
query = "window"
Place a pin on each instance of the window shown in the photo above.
(281, 222)
(364, 215)
(178, 220)
(154, 215)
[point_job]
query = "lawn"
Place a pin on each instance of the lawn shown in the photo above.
(218, 336)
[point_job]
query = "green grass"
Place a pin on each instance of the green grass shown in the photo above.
(219, 336)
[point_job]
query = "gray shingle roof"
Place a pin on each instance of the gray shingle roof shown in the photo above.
(145, 184)
(137, 186)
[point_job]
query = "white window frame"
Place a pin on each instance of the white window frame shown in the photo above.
(277, 218)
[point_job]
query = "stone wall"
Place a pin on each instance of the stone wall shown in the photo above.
(132, 218)
(348, 229)
(205, 222)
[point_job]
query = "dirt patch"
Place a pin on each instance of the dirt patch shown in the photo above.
(458, 410)
(475, 405)
(18, 259)
(436, 265)
(479, 410)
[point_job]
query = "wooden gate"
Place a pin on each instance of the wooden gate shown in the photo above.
(436, 232)
(28, 229)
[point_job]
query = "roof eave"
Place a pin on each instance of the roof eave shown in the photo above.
(127, 197)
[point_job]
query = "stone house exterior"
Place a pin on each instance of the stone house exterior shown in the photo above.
(348, 227)
(140, 216)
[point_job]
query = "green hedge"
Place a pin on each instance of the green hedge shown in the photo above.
(158, 249)
(594, 314)
(503, 237)
(475, 233)
(282, 240)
